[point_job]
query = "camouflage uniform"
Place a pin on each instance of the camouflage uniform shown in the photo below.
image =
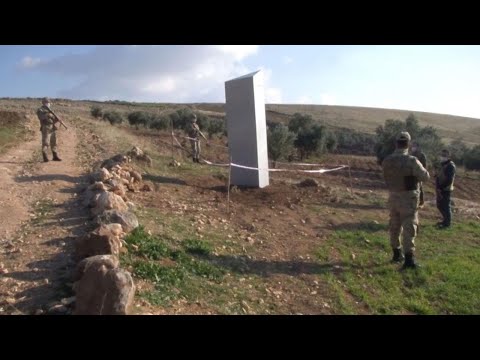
(402, 174)
(48, 129)
(420, 155)
(193, 132)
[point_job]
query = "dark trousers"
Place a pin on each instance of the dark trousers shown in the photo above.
(443, 205)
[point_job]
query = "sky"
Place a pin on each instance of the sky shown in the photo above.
(440, 79)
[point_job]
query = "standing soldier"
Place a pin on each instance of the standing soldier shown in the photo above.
(48, 127)
(444, 188)
(194, 133)
(402, 174)
(420, 155)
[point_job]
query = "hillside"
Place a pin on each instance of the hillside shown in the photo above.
(358, 118)
(368, 119)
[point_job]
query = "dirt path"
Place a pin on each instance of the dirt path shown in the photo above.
(39, 218)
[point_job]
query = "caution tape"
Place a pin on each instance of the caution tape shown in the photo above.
(210, 144)
(321, 171)
(317, 171)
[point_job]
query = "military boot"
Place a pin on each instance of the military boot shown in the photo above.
(55, 157)
(410, 262)
(397, 255)
(45, 157)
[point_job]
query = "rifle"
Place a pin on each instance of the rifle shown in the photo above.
(56, 117)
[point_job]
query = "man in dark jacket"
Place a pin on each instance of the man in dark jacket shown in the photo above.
(444, 187)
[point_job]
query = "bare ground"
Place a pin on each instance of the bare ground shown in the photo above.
(39, 220)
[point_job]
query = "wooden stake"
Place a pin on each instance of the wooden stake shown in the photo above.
(228, 188)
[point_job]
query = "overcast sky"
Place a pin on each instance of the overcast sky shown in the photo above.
(440, 79)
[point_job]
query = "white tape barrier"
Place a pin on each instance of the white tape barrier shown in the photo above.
(321, 171)
(210, 144)
(214, 164)
(297, 164)
(317, 171)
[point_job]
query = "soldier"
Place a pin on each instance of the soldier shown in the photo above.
(444, 187)
(194, 134)
(420, 155)
(48, 127)
(402, 174)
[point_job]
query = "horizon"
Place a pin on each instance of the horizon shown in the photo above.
(223, 103)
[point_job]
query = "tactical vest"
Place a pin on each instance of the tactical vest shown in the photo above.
(193, 131)
(45, 117)
(398, 172)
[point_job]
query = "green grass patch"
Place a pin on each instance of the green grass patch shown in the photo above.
(447, 283)
(175, 269)
(9, 136)
(42, 209)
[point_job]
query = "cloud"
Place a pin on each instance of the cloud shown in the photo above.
(239, 52)
(28, 62)
(327, 99)
(287, 60)
(273, 95)
(160, 73)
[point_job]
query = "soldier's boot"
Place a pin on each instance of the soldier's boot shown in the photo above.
(397, 255)
(410, 262)
(55, 157)
(45, 157)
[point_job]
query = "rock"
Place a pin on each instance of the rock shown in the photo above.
(119, 189)
(131, 206)
(127, 219)
(2, 269)
(8, 301)
(135, 152)
(100, 175)
(116, 160)
(309, 182)
(104, 174)
(109, 201)
(250, 240)
(108, 261)
(101, 241)
(57, 309)
(68, 301)
(103, 291)
(131, 187)
(113, 228)
(90, 198)
(97, 186)
(174, 163)
(39, 312)
(146, 187)
(136, 176)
